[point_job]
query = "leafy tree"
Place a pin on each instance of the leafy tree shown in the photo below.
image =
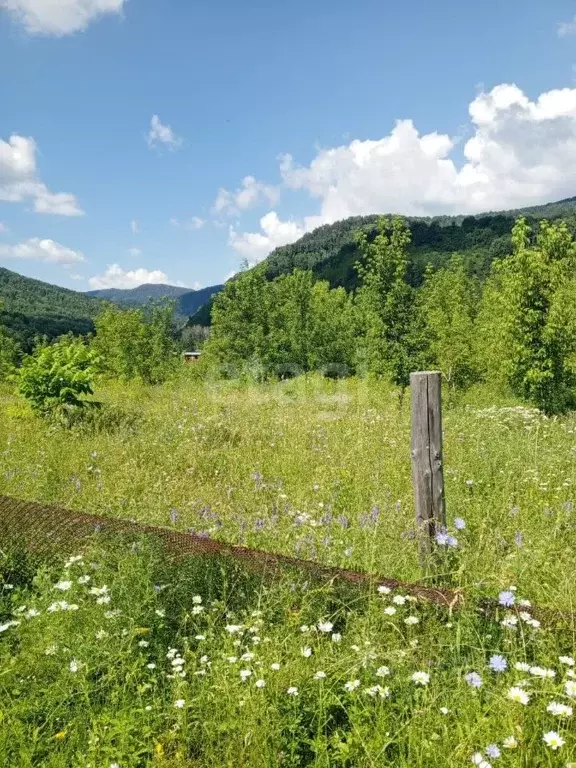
(392, 342)
(447, 301)
(9, 354)
(528, 310)
(57, 375)
(135, 344)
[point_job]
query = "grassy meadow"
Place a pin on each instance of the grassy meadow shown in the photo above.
(289, 673)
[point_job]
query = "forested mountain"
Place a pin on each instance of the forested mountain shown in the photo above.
(141, 295)
(30, 307)
(331, 251)
(186, 300)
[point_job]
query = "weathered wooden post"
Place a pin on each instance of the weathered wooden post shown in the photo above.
(427, 471)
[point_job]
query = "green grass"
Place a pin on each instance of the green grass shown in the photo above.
(309, 467)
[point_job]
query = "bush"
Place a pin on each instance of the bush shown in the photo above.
(54, 377)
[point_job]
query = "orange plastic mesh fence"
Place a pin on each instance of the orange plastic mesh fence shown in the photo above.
(45, 527)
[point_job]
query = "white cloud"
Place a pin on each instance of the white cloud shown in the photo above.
(19, 179)
(566, 28)
(135, 252)
(521, 152)
(195, 222)
(59, 17)
(250, 194)
(45, 250)
(135, 227)
(162, 134)
(116, 277)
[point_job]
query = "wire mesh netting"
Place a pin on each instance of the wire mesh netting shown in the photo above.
(46, 527)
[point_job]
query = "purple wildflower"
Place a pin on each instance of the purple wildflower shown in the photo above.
(507, 598)
(442, 538)
(498, 663)
(459, 523)
(473, 679)
(493, 751)
(452, 541)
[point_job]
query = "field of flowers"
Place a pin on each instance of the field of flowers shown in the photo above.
(114, 656)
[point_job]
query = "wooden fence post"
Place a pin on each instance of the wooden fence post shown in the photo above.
(427, 471)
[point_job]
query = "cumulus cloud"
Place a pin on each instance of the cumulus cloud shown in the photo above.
(45, 250)
(19, 179)
(116, 277)
(249, 194)
(195, 222)
(520, 152)
(160, 134)
(59, 17)
(566, 28)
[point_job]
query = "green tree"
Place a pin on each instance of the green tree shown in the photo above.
(9, 354)
(528, 313)
(447, 302)
(134, 343)
(58, 375)
(392, 341)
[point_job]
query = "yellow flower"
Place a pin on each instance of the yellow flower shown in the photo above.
(61, 735)
(159, 750)
(141, 631)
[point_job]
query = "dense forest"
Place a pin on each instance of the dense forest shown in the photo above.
(186, 301)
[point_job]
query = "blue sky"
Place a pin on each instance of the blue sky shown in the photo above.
(271, 118)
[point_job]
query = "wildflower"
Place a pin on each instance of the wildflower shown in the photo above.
(233, 628)
(377, 690)
(306, 652)
(399, 599)
(568, 660)
(114, 765)
(275, 666)
(534, 623)
(51, 650)
(31, 612)
(542, 672)
(553, 740)
(245, 674)
(473, 679)
(151, 665)
(200, 637)
(98, 590)
(60, 605)
(104, 600)
(73, 559)
(180, 703)
(442, 538)
(411, 620)
(101, 634)
(196, 599)
(478, 759)
(63, 586)
(509, 742)
(498, 663)
(148, 708)
(570, 688)
(560, 710)
(177, 662)
(232, 659)
(493, 751)
(325, 626)
(444, 710)
(74, 666)
(260, 683)
(382, 671)
(143, 643)
(336, 637)
(351, 685)
(509, 622)
(507, 598)
(319, 675)
(292, 691)
(518, 695)
(421, 678)
(459, 523)
(197, 610)
(204, 659)
(248, 656)
(83, 579)
(171, 653)
(452, 541)
(390, 610)
(60, 735)
(521, 666)
(384, 590)
(160, 612)
(304, 628)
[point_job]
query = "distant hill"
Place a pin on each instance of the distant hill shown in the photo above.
(30, 307)
(187, 300)
(140, 295)
(331, 253)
